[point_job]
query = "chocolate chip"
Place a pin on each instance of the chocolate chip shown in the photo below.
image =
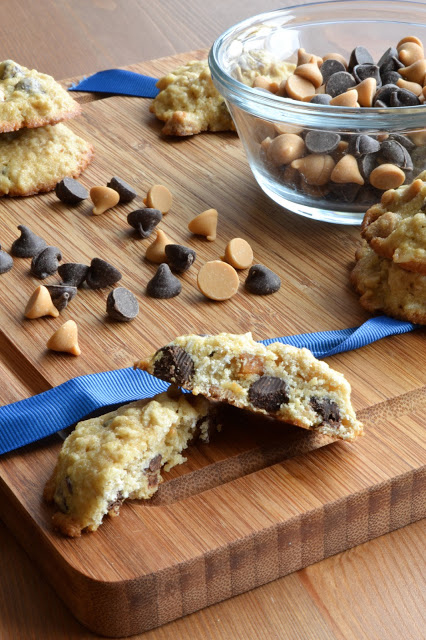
(61, 294)
(384, 93)
(344, 192)
(102, 274)
(390, 77)
(73, 273)
(262, 281)
(9, 69)
(392, 63)
(321, 141)
(396, 154)
(379, 104)
(6, 261)
(144, 220)
(321, 98)
(174, 364)
(362, 144)
(363, 71)
(327, 409)
(388, 55)
(70, 191)
(29, 85)
(403, 98)
(46, 262)
(122, 305)
(164, 284)
(404, 140)
(268, 393)
(330, 67)
(155, 463)
(126, 192)
(28, 244)
(114, 505)
(366, 164)
(339, 83)
(180, 258)
(360, 55)
(368, 195)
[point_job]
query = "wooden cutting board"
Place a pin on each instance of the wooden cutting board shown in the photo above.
(254, 504)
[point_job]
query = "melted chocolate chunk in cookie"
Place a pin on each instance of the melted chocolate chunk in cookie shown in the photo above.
(327, 409)
(268, 393)
(174, 365)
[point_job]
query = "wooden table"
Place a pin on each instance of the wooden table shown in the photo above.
(374, 591)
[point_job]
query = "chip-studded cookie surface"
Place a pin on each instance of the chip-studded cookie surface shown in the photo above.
(385, 287)
(396, 227)
(35, 160)
(119, 455)
(279, 380)
(31, 99)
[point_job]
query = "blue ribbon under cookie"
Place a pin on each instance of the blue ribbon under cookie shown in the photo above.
(42, 415)
(119, 82)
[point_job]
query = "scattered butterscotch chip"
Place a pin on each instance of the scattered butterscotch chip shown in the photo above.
(346, 99)
(285, 148)
(414, 87)
(387, 176)
(346, 170)
(103, 198)
(238, 253)
(205, 224)
(410, 52)
(159, 197)
(156, 250)
(335, 56)
(217, 280)
(315, 168)
(310, 72)
(415, 72)
(40, 304)
(409, 39)
(366, 91)
(298, 88)
(65, 339)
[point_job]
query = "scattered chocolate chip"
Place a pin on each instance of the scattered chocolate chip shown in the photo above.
(6, 261)
(29, 85)
(379, 104)
(327, 409)
(329, 68)
(268, 393)
(70, 191)
(384, 93)
(321, 98)
(396, 154)
(125, 191)
(122, 305)
(73, 273)
(61, 294)
(339, 83)
(390, 77)
(180, 258)
(344, 192)
(174, 364)
(262, 281)
(155, 463)
(362, 144)
(164, 284)
(360, 55)
(46, 262)
(321, 141)
(393, 63)
(404, 140)
(388, 55)
(363, 71)
(144, 220)
(403, 98)
(28, 244)
(366, 164)
(102, 274)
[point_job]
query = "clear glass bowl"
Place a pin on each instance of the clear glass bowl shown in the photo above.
(259, 115)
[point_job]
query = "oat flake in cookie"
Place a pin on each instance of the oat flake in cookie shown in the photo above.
(32, 99)
(119, 455)
(279, 380)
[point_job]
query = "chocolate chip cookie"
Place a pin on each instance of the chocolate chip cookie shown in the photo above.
(278, 380)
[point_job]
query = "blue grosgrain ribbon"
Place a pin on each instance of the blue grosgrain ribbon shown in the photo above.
(120, 82)
(42, 415)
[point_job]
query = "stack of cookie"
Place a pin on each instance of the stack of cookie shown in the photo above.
(35, 151)
(390, 272)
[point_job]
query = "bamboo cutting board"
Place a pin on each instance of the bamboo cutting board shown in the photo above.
(254, 504)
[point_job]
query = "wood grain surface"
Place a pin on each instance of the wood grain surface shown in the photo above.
(376, 590)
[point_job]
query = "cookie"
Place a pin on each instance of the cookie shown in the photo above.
(189, 102)
(119, 455)
(32, 99)
(35, 160)
(387, 288)
(278, 380)
(258, 62)
(396, 227)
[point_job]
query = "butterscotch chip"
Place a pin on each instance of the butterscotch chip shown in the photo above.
(346, 99)
(65, 339)
(218, 280)
(335, 56)
(315, 168)
(40, 304)
(414, 87)
(366, 91)
(409, 39)
(261, 82)
(310, 72)
(239, 253)
(410, 52)
(205, 224)
(103, 198)
(346, 170)
(387, 176)
(156, 251)
(298, 88)
(415, 72)
(159, 197)
(285, 148)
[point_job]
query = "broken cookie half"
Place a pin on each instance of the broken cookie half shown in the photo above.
(119, 455)
(281, 381)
